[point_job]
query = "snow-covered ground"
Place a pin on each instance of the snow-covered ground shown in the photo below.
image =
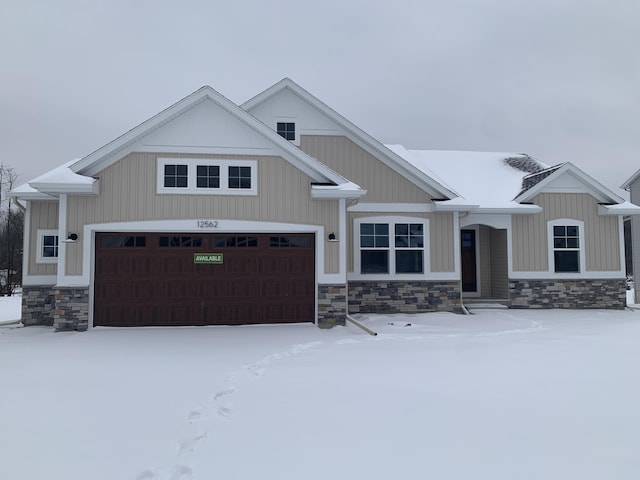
(507, 395)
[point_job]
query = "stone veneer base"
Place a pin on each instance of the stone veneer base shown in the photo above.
(37, 305)
(71, 309)
(601, 293)
(404, 296)
(332, 305)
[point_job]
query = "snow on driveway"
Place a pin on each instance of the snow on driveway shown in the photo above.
(497, 395)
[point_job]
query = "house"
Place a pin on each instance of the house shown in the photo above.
(632, 185)
(282, 210)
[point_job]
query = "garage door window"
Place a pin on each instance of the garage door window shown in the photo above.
(296, 242)
(176, 241)
(236, 241)
(119, 241)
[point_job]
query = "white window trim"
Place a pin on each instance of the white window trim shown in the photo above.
(193, 163)
(391, 221)
(296, 139)
(560, 222)
(40, 244)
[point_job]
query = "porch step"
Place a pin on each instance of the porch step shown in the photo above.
(486, 306)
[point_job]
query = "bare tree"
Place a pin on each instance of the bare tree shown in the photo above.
(11, 231)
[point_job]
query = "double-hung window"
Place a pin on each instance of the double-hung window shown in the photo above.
(47, 246)
(392, 247)
(566, 247)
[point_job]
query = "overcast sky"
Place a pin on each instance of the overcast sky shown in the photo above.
(557, 79)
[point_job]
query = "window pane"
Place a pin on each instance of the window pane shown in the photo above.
(374, 261)
(169, 181)
(559, 243)
(416, 229)
(234, 182)
(170, 170)
(559, 231)
(382, 241)
(572, 243)
(402, 229)
(402, 241)
(181, 182)
(367, 241)
(566, 261)
(381, 229)
(409, 261)
(181, 170)
(416, 242)
(572, 231)
(366, 229)
(234, 171)
(48, 252)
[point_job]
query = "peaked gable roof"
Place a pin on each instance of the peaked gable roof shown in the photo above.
(627, 185)
(116, 149)
(363, 139)
(539, 181)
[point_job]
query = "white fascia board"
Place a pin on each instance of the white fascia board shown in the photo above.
(320, 192)
(596, 188)
(391, 207)
(92, 188)
(31, 195)
(453, 207)
(518, 210)
(627, 185)
(626, 208)
(357, 135)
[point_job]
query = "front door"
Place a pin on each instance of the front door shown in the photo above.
(468, 252)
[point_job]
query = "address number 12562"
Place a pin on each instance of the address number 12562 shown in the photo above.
(207, 224)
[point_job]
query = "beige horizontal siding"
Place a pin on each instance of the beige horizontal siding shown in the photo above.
(351, 161)
(43, 216)
(128, 194)
(601, 236)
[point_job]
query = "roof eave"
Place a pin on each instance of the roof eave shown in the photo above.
(324, 193)
(624, 209)
(92, 188)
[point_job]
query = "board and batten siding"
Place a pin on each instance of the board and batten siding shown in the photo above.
(128, 194)
(383, 184)
(43, 216)
(441, 246)
(601, 238)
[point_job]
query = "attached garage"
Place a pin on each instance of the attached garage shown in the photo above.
(175, 279)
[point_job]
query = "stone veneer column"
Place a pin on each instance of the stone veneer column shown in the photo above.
(332, 305)
(37, 305)
(71, 309)
(604, 293)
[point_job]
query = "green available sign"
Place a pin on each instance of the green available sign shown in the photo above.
(207, 258)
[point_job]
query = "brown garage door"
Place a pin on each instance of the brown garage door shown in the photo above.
(146, 279)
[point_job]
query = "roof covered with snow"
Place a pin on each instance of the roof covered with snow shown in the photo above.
(487, 180)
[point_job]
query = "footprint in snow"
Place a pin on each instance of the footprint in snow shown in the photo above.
(225, 411)
(146, 475)
(194, 416)
(224, 393)
(189, 444)
(181, 472)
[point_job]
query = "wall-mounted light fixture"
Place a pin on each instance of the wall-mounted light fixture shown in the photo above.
(332, 237)
(72, 238)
